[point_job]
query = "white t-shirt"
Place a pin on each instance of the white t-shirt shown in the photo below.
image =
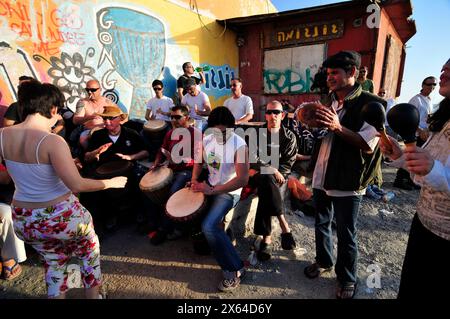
(424, 106)
(200, 99)
(164, 103)
(240, 106)
(220, 159)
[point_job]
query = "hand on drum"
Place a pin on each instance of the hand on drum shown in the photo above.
(201, 187)
(124, 157)
(328, 117)
(166, 153)
(116, 182)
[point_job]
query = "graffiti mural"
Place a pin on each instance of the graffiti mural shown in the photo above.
(125, 46)
(70, 74)
(292, 70)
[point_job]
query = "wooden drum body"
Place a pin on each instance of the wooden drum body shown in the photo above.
(185, 205)
(156, 184)
(155, 129)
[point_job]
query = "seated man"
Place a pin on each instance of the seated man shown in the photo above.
(198, 104)
(113, 143)
(87, 110)
(181, 163)
(271, 178)
(12, 249)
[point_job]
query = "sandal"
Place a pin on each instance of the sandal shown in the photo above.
(287, 241)
(314, 270)
(10, 273)
(346, 291)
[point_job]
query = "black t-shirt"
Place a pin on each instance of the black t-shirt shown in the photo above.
(12, 113)
(128, 143)
(182, 80)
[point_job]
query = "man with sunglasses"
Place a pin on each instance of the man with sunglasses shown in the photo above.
(158, 107)
(198, 104)
(181, 161)
(113, 143)
(188, 74)
(239, 104)
(269, 175)
(423, 103)
(87, 110)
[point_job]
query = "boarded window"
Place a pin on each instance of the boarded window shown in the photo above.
(292, 70)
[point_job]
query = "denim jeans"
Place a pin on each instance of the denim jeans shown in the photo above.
(346, 210)
(180, 178)
(218, 241)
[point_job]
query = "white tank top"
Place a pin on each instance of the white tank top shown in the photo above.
(34, 182)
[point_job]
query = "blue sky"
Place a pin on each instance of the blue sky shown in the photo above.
(426, 51)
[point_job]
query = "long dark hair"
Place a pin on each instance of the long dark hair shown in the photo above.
(440, 117)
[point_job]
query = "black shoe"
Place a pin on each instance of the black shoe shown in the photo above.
(403, 184)
(265, 251)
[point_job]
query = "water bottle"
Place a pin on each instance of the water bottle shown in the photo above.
(388, 196)
(206, 67)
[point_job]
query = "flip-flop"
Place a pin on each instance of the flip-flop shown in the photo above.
(349, 289)
(314, 270)
(10, 270)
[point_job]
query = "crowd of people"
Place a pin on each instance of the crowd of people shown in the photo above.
(68, 178)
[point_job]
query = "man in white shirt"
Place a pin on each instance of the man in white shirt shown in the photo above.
(239, 104)
(198, 104)
(158, 107)
(423, 103)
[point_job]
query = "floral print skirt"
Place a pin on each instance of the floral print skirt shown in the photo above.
(58, 233)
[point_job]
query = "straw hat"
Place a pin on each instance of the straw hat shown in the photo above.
(111, 111)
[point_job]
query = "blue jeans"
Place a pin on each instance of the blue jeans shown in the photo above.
(218, 241)
(180, 178)
(346, 210)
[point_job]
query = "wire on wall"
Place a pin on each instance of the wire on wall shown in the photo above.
(193, 5)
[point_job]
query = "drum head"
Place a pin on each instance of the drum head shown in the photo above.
(184, 203)
(307, 114)
(155, 125)
(114, 168)
(156, 179)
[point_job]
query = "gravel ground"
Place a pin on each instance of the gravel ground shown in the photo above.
(133, 268)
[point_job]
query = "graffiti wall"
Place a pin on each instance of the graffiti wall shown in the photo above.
(124, 45)
(291, 70)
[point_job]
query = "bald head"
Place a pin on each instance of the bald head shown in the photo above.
(93, 89)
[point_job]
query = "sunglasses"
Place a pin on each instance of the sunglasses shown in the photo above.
(276, 112)
(109, 118)
(430, 84)
(92, 89)
(234, 85)
(176, 117)
(157, 89)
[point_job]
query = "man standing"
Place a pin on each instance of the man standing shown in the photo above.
(188, 70)
(366, 84)
(198, 104)
(270, 179)
(349, 159)
(239, 104)
(423, 103)
(87, 110)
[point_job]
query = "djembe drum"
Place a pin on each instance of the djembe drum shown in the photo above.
(156, 184)
(113, 169)
(185, 205)
(155, 129)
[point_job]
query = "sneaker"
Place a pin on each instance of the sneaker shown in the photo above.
(232, 280)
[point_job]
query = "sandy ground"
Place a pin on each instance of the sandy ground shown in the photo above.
(133, 268)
